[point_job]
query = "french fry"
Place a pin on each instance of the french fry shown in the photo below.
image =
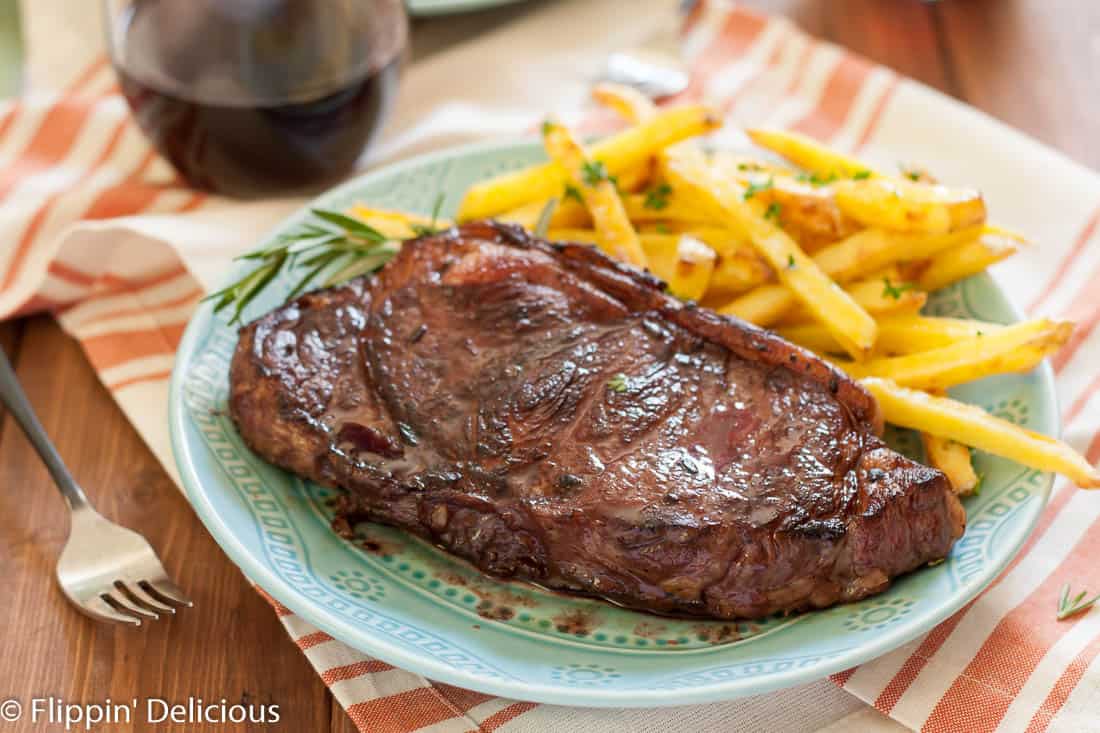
(951, 265)
(808, 153)
(619, 153)
(569, 213)
(736, 273)
(808, 213)
(689, 272)
(953, 459)
(654, 206)
(855, 256)
(628, 102)
(1016, 348)
(616, 234)
(908, 206)
(847, 322)
(970, 425)
(874, 249)
(897, 335)
(733, 165)
(395, 224)
(874, 296)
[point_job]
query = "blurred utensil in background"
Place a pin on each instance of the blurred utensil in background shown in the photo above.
(654, 68)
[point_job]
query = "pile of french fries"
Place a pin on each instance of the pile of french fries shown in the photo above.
(828, 252)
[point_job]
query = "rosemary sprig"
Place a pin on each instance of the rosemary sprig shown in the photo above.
(547, 213)
(335, 243)
(1072, 606)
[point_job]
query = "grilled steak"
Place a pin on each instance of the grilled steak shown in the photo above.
(551, 415)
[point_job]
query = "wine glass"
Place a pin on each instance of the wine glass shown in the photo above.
(258, 97)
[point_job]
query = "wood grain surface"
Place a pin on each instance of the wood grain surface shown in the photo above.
(1032, 63)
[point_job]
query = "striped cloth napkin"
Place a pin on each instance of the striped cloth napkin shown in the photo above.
(98, 230)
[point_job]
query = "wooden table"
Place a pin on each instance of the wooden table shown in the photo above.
(1032, 63)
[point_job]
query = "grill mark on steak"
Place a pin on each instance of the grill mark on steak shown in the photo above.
(470, 393)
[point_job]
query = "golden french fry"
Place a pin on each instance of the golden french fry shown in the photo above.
(569, 213)
(808, 213)
(855, 256)
(897, 335)
(908, 206)
(734, 274)
(734, 165)
(953, 459)
(395, 224)
(805, 152)
(830, 305)
(661, 204)
(690, 270)
(619, 153)
(960, 263)
(875, 296)
(970, 425)
(1016, 348)
(628, 102)
(874, 249)
(616, 234)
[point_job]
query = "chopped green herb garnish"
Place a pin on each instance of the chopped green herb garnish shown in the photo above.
(816, 180)
(617, 383)
(1072, 606)
(861, 175)
(889, 290)
(663, 229)
(572, 192)
(773, 211)
(791, 264)
(547, 126)
(594, 171)
(656, 198)
(755, 188)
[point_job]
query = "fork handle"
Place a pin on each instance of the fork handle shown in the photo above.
(19, 407)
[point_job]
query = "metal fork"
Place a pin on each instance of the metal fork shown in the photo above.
(108, 572)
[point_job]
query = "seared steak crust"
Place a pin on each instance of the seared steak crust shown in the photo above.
(551, 415)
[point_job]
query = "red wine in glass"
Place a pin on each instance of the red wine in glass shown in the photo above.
(258, 97)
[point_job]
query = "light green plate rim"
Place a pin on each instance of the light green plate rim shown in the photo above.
(372, 604)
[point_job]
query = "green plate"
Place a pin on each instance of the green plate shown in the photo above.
(418, 608)
(424, 8)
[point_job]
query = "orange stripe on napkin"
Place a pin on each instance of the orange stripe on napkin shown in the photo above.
(461, 698)
(876, 115)
(1065, 685)
(112, 349)
(311, 640)
(738, 32)
(840, 93)
(1064, 266)
(978, 699)
(23, 248)
(402, 713)
(139, 379)
(1085, 310)
(506, 715)
(130, 196)
(351, 671)
(1083, 399)
(936, 638)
